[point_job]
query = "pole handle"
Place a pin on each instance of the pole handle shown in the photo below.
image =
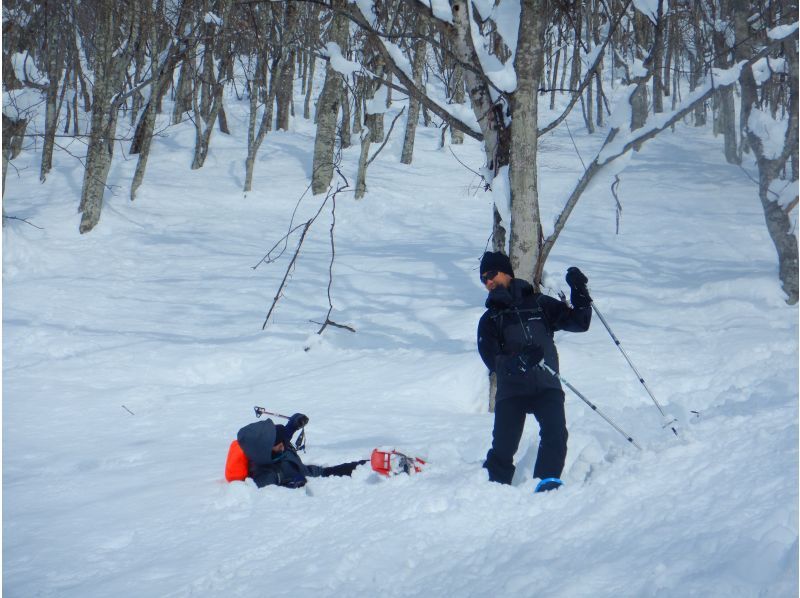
(261, 411)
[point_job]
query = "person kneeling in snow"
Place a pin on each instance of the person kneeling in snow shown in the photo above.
(273, 460)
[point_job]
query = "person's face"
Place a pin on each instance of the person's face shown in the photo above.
(494, 279)
(278, 448)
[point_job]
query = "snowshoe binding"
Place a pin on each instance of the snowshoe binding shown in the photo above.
(392, 462)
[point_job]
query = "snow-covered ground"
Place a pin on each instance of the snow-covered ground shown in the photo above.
(132, 355)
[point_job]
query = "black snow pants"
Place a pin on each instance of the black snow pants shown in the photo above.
(509, 421)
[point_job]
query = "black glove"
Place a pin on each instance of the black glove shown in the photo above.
(298, 420)
(577, 283)
(576, 279)
(529, 357)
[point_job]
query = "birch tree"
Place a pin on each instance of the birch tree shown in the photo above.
(261, 86)
(289, 36)
(328, 105)
(418, 50)
(116, 26)
(164, 62)
(56, 27)
(208, 90)
(773, 143)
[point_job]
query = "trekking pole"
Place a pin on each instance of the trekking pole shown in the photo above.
(261, 411)
(301, 439)
(552, 372)
(668, 420)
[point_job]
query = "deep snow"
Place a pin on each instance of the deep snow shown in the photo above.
(133, 354)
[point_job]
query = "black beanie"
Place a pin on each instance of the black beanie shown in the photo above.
(494, 260)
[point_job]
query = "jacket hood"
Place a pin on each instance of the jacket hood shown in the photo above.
(257, 440)
(502, 298)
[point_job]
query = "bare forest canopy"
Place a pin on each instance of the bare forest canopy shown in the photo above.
(101, 70)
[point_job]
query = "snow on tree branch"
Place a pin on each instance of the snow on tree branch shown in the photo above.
(440, 9)
(339, 63)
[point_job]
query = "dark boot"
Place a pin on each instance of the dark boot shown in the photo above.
(548, 484)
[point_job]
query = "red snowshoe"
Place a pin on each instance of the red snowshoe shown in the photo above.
(392, 462)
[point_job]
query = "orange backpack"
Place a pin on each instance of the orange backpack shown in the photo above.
(236, 465)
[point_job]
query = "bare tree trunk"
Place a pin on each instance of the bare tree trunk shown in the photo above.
(419, 48)
(263, 88)
(54, 52)
(697, 67)
(50, 125)
(726, 124)
(671, 45)
(565, 66)
(208, 94)
(599, 96)
(742, 51)
(457, 93)
(374, 120)
(303, 57)
(639, 104)
(147, 125)
(358, 101)
(496, 136)
(725, 116)
(498, 231)
(361, 175)
(285, 94)
(98, 163)
(13, 134)
(252, 135)
(110, 68)
(143, 136)
(526, 228)
(344, 137)
(658, 60)
(309, 87)
(589, 106)
(328, 109)
(222, 120)
(183, 91)
(204, 84)
(575, 71)
(780, 227)
(204, 126)
(778, 219)
(554, 73)
(256, 137)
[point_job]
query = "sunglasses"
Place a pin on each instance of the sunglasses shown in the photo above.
(486, 277)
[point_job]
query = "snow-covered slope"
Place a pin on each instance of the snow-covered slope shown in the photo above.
(133, 354)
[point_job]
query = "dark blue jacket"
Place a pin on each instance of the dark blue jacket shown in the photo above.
(266, 467)
(517, 318)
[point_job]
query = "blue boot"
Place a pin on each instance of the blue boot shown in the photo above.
(548, 484)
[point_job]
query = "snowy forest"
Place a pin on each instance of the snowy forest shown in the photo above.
(215, 204)
(101, 71)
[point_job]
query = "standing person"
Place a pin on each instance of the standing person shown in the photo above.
(273, 460)
(514, 335)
